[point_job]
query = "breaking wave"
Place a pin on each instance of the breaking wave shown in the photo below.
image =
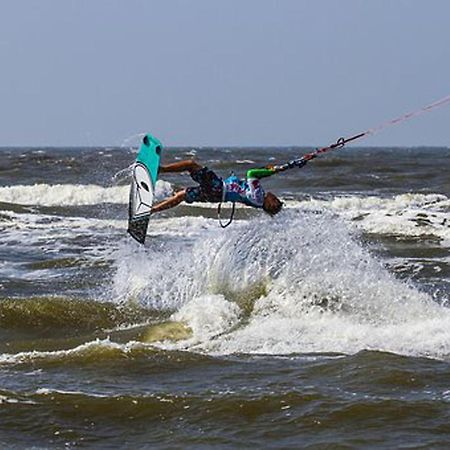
(300, 284)
(410, 215)
(72, 195)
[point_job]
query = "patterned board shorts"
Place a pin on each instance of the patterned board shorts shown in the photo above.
(210, 187)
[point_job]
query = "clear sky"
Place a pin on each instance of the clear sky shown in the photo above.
(222, 72)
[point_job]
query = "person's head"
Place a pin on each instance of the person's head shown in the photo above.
(272, 204)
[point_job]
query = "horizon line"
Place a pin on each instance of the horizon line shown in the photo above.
(193, 147)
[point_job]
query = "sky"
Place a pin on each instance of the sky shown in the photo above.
(222, 72)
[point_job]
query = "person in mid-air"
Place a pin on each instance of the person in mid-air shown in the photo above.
(212, 188)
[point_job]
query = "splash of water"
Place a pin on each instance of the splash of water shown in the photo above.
(132, 142)
(318, 290)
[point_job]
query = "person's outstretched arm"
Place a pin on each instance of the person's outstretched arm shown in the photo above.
(262, 172)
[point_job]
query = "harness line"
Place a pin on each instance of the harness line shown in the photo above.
(230, 220)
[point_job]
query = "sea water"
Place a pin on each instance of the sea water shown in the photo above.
(327, 325)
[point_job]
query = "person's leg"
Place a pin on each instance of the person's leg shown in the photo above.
(170, 202)
(211, 185)
(181, 166)
(190, 194)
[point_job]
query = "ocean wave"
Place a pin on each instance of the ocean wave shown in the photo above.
(73, 195)
(408, 215)
(97, 351)
(320, 291)
(53, 316)
(87, 353)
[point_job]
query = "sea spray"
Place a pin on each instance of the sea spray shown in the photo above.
(324, 292)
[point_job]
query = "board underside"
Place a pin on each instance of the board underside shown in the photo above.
(145, 175)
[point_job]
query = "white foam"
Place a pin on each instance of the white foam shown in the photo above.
(208, 316)
(411, 215)
(325, 292)
(73, 195)
(14, 401)
(95, 349)
(47, 391)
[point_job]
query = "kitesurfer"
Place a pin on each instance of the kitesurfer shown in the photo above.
(214, 189)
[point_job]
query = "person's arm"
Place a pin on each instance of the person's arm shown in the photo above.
(187, 165)
(262, 172)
